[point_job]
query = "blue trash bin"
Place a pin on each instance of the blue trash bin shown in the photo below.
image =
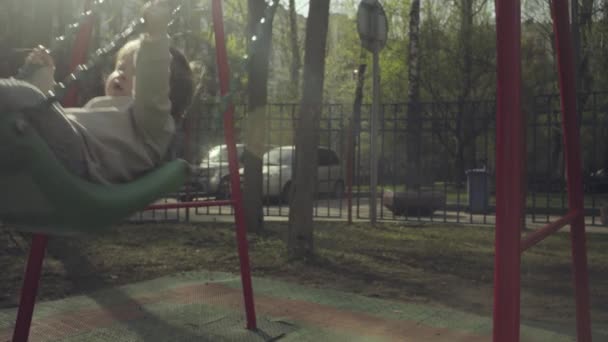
(478, 191)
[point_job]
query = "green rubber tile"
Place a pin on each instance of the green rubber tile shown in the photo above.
(123, 314)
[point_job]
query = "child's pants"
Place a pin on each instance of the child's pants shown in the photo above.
(50, 122)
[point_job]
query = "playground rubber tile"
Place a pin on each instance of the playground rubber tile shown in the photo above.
(205, 306)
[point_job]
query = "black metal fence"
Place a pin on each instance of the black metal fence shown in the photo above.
(445, 141)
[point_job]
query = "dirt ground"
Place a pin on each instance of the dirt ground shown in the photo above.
(437, 264)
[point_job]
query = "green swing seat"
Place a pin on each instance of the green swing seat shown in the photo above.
(38, 194)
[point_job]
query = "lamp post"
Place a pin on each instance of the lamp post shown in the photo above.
(373, 29)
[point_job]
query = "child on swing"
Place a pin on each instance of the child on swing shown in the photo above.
(117, 137)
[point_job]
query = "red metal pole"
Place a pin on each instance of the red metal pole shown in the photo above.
(79, 56)
(182, 205)
(509, 173)
(237, 196)
(572, 150)
(30, 288)
(33, 269)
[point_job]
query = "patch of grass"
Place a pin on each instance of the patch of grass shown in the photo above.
(447, 264)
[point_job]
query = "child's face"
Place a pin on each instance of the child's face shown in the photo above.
(120, 81)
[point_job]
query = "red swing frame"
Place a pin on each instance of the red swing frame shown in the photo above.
(510, 184)
(510, 154)
(39, 242)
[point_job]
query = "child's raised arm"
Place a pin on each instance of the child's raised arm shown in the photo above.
(152, 107)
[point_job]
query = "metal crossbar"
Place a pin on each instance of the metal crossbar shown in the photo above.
(194, 204)
(542, 233)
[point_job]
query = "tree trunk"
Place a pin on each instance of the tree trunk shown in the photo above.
(466, 114)
(9, 59)
(255, 126)
(294, 71)
(414, 119)
(193, 27)
(584, 76)
(300, 239)
(460, 164)
(466, 39)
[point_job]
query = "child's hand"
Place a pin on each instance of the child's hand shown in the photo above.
(156, 15)
(38, 69)
(40, 57)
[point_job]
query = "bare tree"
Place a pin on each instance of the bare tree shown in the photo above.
(414, 122)
(295, 48)
(466, 149)
(582, 20)
(300, 239)
(255, 127)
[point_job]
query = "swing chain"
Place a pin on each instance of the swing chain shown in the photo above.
(60, 88)
(59, 43)
(114, 45)
(134, 27)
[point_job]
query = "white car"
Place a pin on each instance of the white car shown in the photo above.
(212, 177)
(277, 172)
